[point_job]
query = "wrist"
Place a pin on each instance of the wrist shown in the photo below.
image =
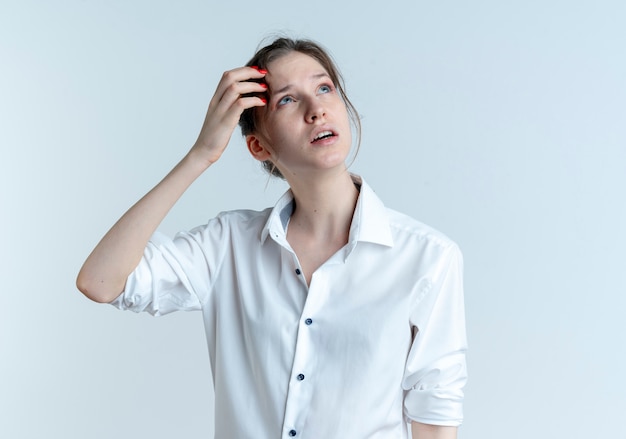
(199, 159)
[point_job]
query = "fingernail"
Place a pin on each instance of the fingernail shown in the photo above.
(255, 67)
(263, 71)
(263, 100)
(263, 84)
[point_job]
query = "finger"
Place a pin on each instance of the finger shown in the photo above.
(242, 104)
(254, 101)
(235, 92)
(238, 75)
(244, 89)
(230, 117)
(221, 124)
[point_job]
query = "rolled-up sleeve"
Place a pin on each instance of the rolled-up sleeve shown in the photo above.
(436, 371)
(174, 274)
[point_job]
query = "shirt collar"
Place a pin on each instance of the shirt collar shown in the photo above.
(369, 223)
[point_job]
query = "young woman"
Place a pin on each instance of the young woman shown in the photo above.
(327, 316)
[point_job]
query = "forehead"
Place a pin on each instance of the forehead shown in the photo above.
(292, 67)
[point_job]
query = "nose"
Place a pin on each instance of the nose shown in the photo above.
(315, 111)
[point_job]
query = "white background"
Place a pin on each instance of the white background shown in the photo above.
(501, 123)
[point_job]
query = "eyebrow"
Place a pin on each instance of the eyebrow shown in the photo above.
(288, 86)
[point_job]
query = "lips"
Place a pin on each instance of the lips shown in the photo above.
(323, 133)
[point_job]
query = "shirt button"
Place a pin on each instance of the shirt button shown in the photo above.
(298, 272)
(292, 433)
(300, 377)
(308, 321)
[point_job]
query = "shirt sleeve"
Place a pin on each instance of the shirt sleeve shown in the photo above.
(436, 371)
(175, 274)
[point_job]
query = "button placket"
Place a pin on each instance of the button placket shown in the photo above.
(300, 387)
(305, 357)
(303, 369)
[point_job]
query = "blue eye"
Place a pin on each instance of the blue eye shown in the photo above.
(325, 89)
(285, 100)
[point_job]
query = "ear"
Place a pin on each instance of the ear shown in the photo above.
(257, 148)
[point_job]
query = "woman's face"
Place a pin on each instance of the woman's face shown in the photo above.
(306, 126)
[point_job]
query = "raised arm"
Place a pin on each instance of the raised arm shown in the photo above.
(103, 275)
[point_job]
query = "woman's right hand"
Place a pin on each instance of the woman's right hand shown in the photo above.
(231, 98)
(104, 273)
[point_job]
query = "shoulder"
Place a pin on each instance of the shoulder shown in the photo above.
(407, 233)
(428, 251)
(243, 216)
(234, 222)
(405, 228)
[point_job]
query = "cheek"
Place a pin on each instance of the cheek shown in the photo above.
(280, 131)
(267, 128)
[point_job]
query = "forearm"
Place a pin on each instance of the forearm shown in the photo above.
(103, 275)
(426, 431)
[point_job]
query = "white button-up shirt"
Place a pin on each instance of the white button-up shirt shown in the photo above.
(376, 340)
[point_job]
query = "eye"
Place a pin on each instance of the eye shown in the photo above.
(325, 89)
(285, 100)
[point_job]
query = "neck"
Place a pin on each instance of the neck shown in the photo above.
(324, 205)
